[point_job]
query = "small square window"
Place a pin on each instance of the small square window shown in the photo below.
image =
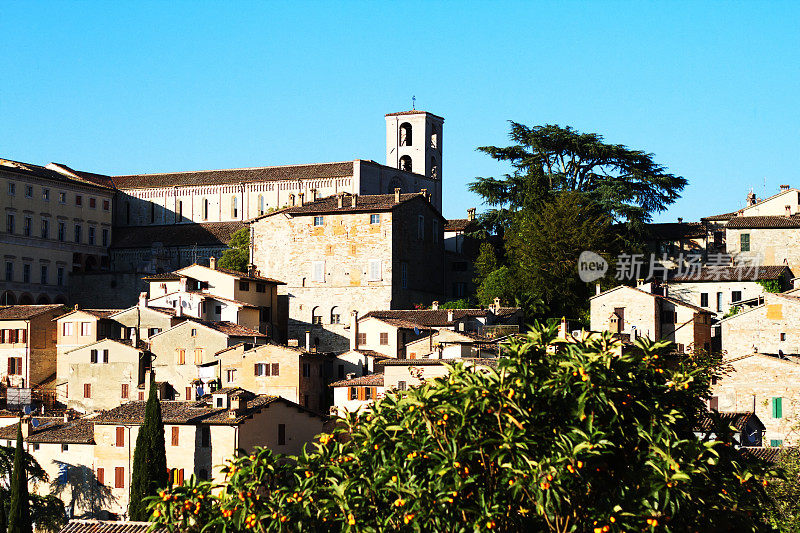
(65, 447)
(36, 447)
(319, 221)
(46, 195)
(28, 191)
(78, 199)
(374, 219)
(12, 189)
(92, 203)
(783, 336)
(62, 197)
(106, 205)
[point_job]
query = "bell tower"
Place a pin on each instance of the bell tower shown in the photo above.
(414, 142)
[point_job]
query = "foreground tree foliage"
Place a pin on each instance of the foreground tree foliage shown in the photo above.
(559, 437)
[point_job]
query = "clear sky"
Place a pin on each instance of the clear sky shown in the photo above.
(711, 88)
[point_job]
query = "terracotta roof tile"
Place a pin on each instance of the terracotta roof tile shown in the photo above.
(734, 273)
(25, 312)
(738, 420)
(764, 222)
(371, 380)
(771, 454)
(433, 318)
(54, 430)
(228, 328)
(51, 173)
(364, 204)
(100, 526)
(459, 224)
(235, 175)
(211, 233)
(163, 276)
(484, 361)
(723, 217)
(411, 112)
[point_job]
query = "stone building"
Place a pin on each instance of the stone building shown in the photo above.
(461, 251)
(637, 313)
(718, 289)
(55, 221)
(770, 328)
(766, 385)
(354, 394)
(350, 253)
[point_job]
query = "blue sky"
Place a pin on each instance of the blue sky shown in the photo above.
(711, 88)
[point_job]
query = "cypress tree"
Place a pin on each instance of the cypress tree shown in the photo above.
(149, 459)
(19, 519)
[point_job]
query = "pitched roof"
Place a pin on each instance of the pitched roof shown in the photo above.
(54, 430)
(675, 231)
(163, 276)
(459, 224)
(210, 233)
(705, 421)
(483, 361)
(330, 204)
(228, 328)
(244, 276)
(234, 175)
(656, 296)
(734, 273)
(199, 412)
(411, 318)
(25, 312)
(764, 222)
(56, 172)
(370, 380)
(102, 526)
(771, 454)
(411, 112)
(723, 217)
(99, 313)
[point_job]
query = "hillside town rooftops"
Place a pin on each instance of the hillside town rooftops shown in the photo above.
(459, 224)
(738, 420)
(103, 526)
(669, 299)
(437, 317)
(482, 361)
(370, 380)
(99, 313)
(26, 312)
(54, 430)
(764, 222)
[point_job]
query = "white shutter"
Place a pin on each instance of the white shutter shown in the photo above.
(374, 270)
(318, 271)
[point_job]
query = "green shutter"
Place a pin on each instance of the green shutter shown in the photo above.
(777, 407)
(744, 242)
(776, 443)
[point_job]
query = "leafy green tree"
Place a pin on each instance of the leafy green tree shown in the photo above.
(149, 459)
(628, 184)
(461, 303)
(560, 437)
(784, 493)
(485, 263)
(499, 283)
(19, 516)
(237, 256)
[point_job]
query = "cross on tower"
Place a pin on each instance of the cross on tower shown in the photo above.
(413, 103)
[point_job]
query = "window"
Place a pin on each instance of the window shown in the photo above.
(776, 443)
(336, 316)
(105, 357)
(92, 203)
(353, 393)
(15, 363)
(62, 232)
(368, 393)
(27, 227)
(230, 375)
(362, 338)
(235, 207)
(421, 227)
(120, 437)
(9, 271)
(153, 331)
(374, 219)
(260, 204)
(78, 199)
(305, 400)
(29, 191)
(141, 396)
(87, 390)
(244, 286)
(435, 226)
(261, 369)
(86, 329)
(777, 407)
(179, 212)
(306, 370)
(281, 434)
(260, 287)
(401, 385)
(10, 223)
(43, 277)
(119, 477)
(152, 213)
(205, 208)
(319, 221)
(45, 228)
(62, 197)
(91, 235)
(703, 299)
(316, 317)
(719, 301)
(66, 329)
(736, 296)
(205, 437)
(105, 237)
(125, 393)
(194, 332)
(405, 134)
(198, 356)
(93, 356)
(175, 434)
(318, 271)
(181, 356)
(384, 339)
(374, 270)
(106, 205)
(36, 447)
(276, 369)
(188, 393)
(12, 189)
(77, 233)
(65, 447)
(60, 276)
(744, 242)
(101, 475)
(26, 273)
(459, 289)
(218, 309)
(783, 337)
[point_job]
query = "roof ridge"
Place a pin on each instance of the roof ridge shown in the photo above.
(231, 169)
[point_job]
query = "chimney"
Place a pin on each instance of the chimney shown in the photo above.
(751, 198)
(142, 299)
(424, 193)
(471, 213)
(313, 195)
(354, 330)
(350, 375)
(25, 422)
(182, 284)
(291, 198)
(496, 304)
(308, 341)
(76, 307)
(212, 263)
(179, 308)
(784, 188)
(66, 416)
(397, 195)
(353, 200)
(435, 306)
(340, 200)
(680, 220)
(597, 289)
(300, 197)
(251, 270)
(449, 315)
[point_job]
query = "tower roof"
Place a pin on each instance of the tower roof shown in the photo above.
(413, 112)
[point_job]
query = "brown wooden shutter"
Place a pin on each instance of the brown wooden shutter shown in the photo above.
(87, 390)
(180, 475)
(23, 335)
(188, 393)
(120, 437)
(124, 393)
(119, 477)
(175, 433)
(276, 369)
(10, 366)
(101, 476)
(360, 393)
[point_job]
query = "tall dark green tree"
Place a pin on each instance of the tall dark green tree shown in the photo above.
(149, 473)
(19, 516)
(628, 184)
(237, 256)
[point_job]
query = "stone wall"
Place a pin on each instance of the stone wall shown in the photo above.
(106, 290)
(767, 246)
(760, 329)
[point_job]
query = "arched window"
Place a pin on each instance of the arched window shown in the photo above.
(405, 163)
(405, 134)
(260, 204)
(434, 168)
(8, 298)
(235, 207)
(336, 316)
(291, 199)
(316, 317)
(26, 299)
(205, 208)
(434, 137)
